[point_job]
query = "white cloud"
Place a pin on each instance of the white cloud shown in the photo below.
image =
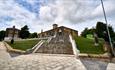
(45, 13)
(76, 14)
(21, 16)
(109, 9)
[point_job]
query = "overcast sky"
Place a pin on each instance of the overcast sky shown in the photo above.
(41, 14)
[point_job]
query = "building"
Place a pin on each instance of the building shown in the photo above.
(56, 29)
(58, 40)
(12, 33)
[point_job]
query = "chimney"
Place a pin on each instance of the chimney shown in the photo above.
(13, 27)
(55, 26)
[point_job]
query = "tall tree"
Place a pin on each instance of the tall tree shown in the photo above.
(101, 28)
(2, 35)
(24, 33)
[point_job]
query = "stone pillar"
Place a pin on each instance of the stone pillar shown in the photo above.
(106, 47)
(96, 39)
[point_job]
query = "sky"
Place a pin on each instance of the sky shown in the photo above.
(41, 14)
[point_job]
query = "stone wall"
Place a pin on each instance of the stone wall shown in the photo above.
(58, 45)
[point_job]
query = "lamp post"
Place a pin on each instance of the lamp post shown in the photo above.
(107, 28)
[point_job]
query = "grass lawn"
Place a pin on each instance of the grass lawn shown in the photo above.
(23, 45)
(87, 45)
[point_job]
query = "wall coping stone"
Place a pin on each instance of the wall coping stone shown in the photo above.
(10, 49)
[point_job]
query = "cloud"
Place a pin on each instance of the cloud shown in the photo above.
(41, 14)
(65, 10)
(21, 16)
(45, 14)
(73, 11)
(109, 9)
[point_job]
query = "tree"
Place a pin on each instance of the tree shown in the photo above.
(2, 35)
(84, 33)
(33, 35)
(101, 28)
(91, 31)
(24, 33)
(114, 36)
(87, 31)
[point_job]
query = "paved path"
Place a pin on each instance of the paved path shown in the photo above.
(38, 61)
(111, 66)
(3, 54)
(94, 64)
(43, 62)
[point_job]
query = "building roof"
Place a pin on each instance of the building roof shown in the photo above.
(12, 29)
(59, 27)
(68, 28)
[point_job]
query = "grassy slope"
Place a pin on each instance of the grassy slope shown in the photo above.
(87, 46)
(23, 45)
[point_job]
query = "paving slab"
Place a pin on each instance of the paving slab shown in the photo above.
(111, 66)
(94, 64)
(43, 62)
(4, 55)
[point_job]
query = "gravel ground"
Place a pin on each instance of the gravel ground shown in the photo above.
(94, 64)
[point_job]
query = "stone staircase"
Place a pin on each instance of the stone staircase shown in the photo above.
(60, 44)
